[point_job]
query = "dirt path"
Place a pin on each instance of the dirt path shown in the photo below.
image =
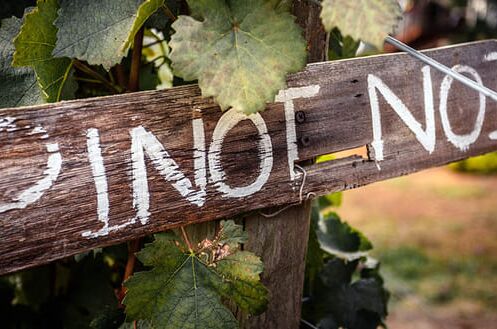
(436, 235)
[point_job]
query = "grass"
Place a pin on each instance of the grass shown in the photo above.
(435, 234)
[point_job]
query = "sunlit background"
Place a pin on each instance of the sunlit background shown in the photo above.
(435, 232)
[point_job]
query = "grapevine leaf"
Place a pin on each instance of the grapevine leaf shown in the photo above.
(18, 86)
(239, 51)
(139, 325)
(341, 240)
(331, 200)
(100, 32)
(367, 20)
(182, 287)
(243, 265)
(179, 292)
(241, 271)
(232, 234)
(34, 46)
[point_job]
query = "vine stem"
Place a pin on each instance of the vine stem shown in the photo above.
(168, 12)
(97, 76)
(185, 237)
(134, 85)
(134, 76)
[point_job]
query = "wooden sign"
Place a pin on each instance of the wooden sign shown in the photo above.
(88, 173)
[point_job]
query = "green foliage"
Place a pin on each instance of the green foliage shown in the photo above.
(342, 47)
(240, 52)
(367, 20)
(185, 287)
(108, 37)
(484, 164)
(18, 86)
(337, 254)
(62, 295)
(34, 46)
(337, 237)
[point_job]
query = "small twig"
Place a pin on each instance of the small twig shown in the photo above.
(134, 76)
(133, 248)
(120, 76)
(88, 70)
(185, 237)
(168, 12)
(89, 80)
(157, 42)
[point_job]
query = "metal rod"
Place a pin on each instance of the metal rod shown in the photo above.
(442, 68)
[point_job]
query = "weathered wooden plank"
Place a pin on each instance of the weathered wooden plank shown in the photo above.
(269, 238)
(72, 175)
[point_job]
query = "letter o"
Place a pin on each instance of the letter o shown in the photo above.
(227, 122)
(462, 142)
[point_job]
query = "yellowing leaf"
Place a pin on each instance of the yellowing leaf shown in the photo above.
(100, 32)
(367, 20)
(239, 51)
(34, 46)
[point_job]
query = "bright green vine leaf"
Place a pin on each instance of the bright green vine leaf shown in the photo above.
(18, 86)
(367, 20)
(34, 46)
(100, 32)
(185, 288)
(239, 51)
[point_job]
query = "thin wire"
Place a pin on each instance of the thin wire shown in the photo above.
(442, 68)
(307, 323)
(309, 196)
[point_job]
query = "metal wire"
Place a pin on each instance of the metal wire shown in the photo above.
(442, 68)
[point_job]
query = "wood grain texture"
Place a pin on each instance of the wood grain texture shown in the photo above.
(337, 118)
(281, 241)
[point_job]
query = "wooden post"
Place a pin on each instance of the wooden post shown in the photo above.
(281, 241)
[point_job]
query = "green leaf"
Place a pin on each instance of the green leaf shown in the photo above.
(100, 32)
(242, 265)
(34, 46)
(232, 234)
(341, 240)
(239, 51)
(18, 86)
(367, 20)
(331, 200)
(183, 290)
(179, 292)
(241, 271)
(342, 47)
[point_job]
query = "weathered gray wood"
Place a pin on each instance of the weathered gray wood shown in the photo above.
(338, 117)
(281, 241)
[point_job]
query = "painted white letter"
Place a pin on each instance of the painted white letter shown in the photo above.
(427, 137)
(287, 96)
(462, 142)
(143, 142)
(34, 193)
(100, 178)
(227, 122)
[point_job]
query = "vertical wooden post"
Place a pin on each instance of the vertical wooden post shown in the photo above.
(281, 241)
